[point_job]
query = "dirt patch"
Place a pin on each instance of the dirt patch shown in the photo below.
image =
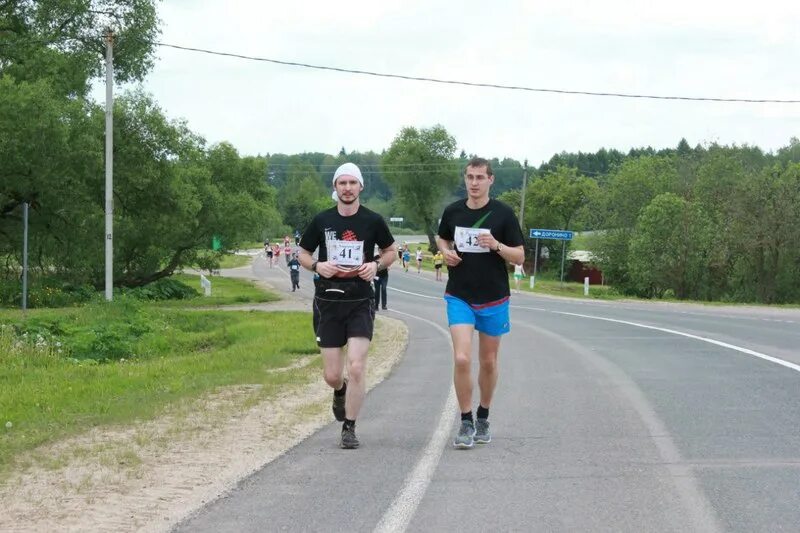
(148, 476)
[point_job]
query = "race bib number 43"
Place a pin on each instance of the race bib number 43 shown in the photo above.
(467, 240)
(346, 253)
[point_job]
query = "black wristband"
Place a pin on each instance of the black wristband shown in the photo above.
(314, 266)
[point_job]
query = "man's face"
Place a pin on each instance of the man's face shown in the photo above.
(348, 188)
(477, 181)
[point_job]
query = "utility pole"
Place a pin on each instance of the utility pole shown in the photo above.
(522, 198)
(25, 256)
(109, 203)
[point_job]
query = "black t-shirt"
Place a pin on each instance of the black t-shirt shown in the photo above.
(365, 225)
(480, 278)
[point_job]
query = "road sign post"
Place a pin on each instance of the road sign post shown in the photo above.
(556, 235)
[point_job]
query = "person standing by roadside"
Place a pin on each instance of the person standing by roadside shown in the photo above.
(343, 312)
(477, 237)
(381, 282)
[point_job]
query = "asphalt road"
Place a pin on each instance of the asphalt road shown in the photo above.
(609, 416)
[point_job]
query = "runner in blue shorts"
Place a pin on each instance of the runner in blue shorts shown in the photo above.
(478, 237)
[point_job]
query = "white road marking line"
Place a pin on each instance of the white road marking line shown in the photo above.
(401, 511)
(528, 308)
(699, 509)
(747, 351)
(417, 294)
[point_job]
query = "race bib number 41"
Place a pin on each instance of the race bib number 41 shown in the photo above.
(346, 253)
(467, 240)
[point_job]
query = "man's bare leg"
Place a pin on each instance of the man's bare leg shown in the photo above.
(333, 367)
(488, 348)
(462, 359)
(357, 348)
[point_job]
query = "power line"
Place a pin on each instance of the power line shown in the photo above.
(476, 84)
(434, 80)
(377, 168)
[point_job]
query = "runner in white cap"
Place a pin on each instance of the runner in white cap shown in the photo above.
(344, 312)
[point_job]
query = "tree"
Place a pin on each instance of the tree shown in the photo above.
(303, 196)
(420, 170)
(668, 248)
(559, 196)
(172, 196)
(766, 264)
(630, 189)
(61, 40)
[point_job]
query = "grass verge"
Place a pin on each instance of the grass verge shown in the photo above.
(568, 288)
(46, 394)
(224, 291)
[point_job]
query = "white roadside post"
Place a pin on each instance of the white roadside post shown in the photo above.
(205, 283)
(586, 286)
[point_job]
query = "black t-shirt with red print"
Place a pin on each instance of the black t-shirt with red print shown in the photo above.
(364, 226)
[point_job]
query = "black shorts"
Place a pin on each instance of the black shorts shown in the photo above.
(342, 310)
(437, 267)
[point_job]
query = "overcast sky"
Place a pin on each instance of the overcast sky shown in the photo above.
(688, 48)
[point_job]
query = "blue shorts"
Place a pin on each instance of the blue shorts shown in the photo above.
(492, 319)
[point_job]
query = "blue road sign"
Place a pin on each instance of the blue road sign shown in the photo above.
(556, 234)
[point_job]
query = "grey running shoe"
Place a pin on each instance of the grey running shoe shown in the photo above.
(465, 438)
(349, 440)
(338, 405)
(482, 434)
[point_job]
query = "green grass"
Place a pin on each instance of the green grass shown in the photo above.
(568, 288)
(224, 291)
(176, 355)
(235, 261)
(251, 245)
(231, 260)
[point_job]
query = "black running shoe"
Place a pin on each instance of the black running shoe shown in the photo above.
(349, 440)
(338, 404)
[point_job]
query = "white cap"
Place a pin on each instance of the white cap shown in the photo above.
(347, 169)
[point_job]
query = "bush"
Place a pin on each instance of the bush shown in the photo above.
(46, 292)
(104, 331)
(164, 289)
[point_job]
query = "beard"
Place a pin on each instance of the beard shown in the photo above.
(348, 201)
